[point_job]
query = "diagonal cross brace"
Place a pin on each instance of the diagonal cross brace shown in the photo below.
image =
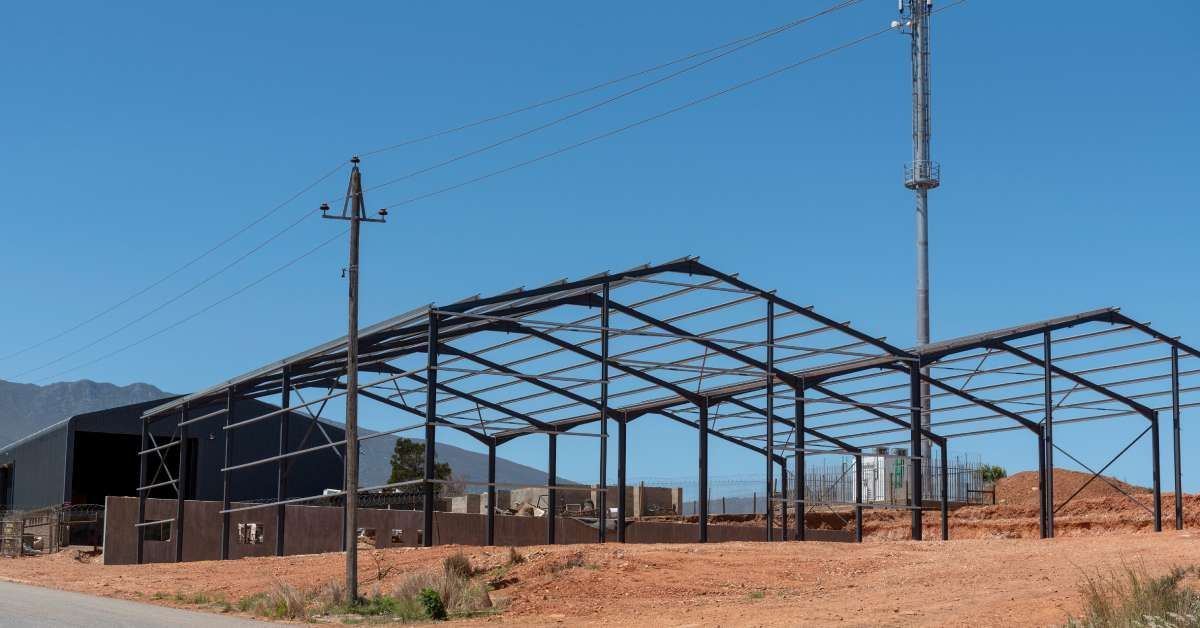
(1097, 474)
(1141, 409)
(542, 425)
(486, 440)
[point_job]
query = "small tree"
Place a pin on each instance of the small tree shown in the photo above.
(992, 473)
(408, 463)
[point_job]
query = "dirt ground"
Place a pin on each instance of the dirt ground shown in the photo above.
(994, 571)
(982, 582)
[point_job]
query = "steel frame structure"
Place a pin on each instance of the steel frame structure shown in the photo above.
(704, 349)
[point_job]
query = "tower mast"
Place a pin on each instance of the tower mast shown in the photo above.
(921, 175)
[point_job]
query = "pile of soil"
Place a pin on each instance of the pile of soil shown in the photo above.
(1022, 488)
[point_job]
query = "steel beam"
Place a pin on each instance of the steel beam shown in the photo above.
(1175, 436)
(226, 475)
(800, 470)
(142, 494)
(430, 431)
(181, 485)
(622, 439)
(1048, 430)
(783, 505)
(770, 387)
(915, 482)
(1043, 511)
(602, 497)
(281, 469)
(551, 482)
(702, 477)
(1156, 472)
(491, 495)
(945, 491)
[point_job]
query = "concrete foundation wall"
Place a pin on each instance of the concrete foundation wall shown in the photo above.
(316, 529)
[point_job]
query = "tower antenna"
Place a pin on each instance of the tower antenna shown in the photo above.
(921, 175)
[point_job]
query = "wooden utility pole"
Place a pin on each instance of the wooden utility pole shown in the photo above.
(354, 212)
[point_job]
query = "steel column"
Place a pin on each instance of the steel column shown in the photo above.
(702, 478)
(491, 495)
(1157, 473)
(945, 491)
(602, 497)
(1048, 380)
(622, 429)
(281, 468)
(551, 482)
(430, 429)
(858, 509)
(181, 481)
(1043, 512)
(1175, 429)
(783, 504)
(770, 383)
(226, 476)
(916, 482)
(801, 507)
(142, 493)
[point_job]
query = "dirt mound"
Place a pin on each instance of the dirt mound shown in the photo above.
(1022, 488)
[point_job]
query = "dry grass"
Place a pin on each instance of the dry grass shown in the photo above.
(1132, 598)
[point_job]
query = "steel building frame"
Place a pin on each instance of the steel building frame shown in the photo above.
(614, 347)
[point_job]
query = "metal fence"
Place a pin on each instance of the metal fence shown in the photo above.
(33, 531)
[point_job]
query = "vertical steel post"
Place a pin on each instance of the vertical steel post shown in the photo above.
(622, 429)
(1156, 471)
(602, 498)
(801, 506)
(916, 482)
(281, 468)
(1175, 429)
(1048, 398)
(921, 179)
(143, 473)
(783, 493)
(770, 375)
(181, 482)
(491, 494)
(226, 476)
(858, 508)
(702, 477)
(945, 492)
(1043, 513)
(551, 482)
(431, 378)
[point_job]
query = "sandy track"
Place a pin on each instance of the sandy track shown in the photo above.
(985, 582)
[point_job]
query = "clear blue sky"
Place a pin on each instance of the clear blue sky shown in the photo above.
(137, 135)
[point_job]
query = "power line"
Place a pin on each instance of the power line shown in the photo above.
(663, 114)
(632, 125)
(203, 310)
(164, 304)
(729, 48)
(177, 270)
(607, 101)
(580, 92)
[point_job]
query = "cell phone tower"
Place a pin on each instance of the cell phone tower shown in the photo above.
(921, 174)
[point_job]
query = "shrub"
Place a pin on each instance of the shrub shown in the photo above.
(515, 557)
(458, 564)
(460, 596)
(432, 602)
(992, 473)
(1133, 598)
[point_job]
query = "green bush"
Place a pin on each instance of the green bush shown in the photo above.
(992, 473)
(1134, 598)
(432, 602)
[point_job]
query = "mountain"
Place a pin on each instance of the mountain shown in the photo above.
(375, 465)
(27, 408)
